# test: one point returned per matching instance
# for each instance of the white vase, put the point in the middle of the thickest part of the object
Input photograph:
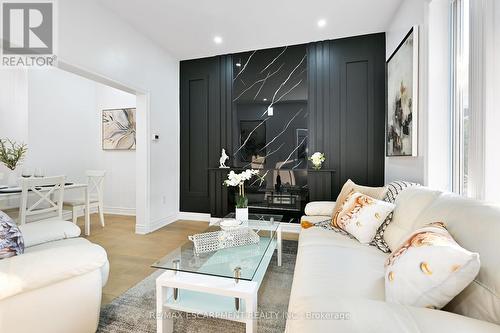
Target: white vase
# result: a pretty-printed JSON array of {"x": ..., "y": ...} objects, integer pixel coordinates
[
  {"x": 12, "y": 178},
  {"x": 242, "y": 214}
]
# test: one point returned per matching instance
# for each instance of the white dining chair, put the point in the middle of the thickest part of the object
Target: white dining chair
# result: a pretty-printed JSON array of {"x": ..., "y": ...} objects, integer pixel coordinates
[
  {"x": 95, "y": 181},
  {"x": 48, "y": 195}
]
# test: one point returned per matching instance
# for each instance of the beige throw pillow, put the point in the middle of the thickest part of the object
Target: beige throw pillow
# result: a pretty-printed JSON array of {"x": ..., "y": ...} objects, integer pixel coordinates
[
  {"x": 361, "y": 216},
  {"x": 429, "y": 269},
  {"x": 378, "y": 193}
]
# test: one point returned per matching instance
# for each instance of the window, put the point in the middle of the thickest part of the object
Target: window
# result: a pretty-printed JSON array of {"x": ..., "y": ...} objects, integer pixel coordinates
[{"x": 461, "y": 112}]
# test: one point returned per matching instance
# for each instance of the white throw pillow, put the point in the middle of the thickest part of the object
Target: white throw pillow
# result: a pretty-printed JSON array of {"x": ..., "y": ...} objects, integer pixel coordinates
[
  {"x": 361, "y": 216},
  {"x": 429, "y": 269}
]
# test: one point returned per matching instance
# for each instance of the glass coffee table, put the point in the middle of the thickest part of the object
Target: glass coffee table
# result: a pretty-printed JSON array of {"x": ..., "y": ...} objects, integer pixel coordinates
[{"x": 221, "y": 284}]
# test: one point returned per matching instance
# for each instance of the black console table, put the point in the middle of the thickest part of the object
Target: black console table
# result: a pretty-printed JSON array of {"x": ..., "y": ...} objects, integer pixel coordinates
[
  {"x": 289, "y": 200},
  {"x": 321, "y": 185}
]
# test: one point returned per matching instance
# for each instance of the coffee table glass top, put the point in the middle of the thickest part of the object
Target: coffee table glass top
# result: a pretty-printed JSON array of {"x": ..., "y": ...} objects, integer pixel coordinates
[{"x": 224, "y": 262}]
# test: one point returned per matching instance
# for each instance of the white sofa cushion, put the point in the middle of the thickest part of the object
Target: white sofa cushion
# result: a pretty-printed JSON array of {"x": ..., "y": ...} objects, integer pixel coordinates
[
  {"x": 324, "y": 267},
  {"x": 70, "y": 242},
  {"x": 320, "y": 208},
  {"x": 38, "y": 269},
  {"x": 409, "y": 205},
  {"x": 475, "y": 225},
  {"x": 348, "y": 288},
  {"x": 40, "y": 232},
  {"x": 429, "y": 268},
  {"x": 364, "y": 315}
]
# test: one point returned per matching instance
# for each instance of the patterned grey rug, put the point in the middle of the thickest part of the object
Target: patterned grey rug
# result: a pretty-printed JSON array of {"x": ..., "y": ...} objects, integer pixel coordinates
[{"x": 134, "y": 310}]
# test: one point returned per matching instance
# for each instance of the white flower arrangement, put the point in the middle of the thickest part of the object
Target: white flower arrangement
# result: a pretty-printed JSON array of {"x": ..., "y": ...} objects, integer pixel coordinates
[
  {"x": 317, "y": 159},
  {"x": 239, "y": 179}
]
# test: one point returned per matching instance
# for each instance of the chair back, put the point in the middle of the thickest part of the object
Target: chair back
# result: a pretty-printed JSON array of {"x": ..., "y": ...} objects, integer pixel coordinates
[
  {"x": 95, "y": 179},
  {"x": 48, "y": 193}
]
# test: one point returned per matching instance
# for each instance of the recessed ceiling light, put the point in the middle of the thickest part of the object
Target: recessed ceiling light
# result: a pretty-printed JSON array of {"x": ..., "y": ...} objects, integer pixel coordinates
[
  {"x": 265, "y": 99},
  {"x": 218, "y": 39},
  {"x": 321, "y": 23},
  {"x": 238, "y": 64}
]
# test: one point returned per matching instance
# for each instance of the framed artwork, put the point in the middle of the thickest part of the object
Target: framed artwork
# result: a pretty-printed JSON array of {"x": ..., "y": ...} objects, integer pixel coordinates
[
  {"x": 402, "y": 98},
  {"x": 118, "y": 129}
]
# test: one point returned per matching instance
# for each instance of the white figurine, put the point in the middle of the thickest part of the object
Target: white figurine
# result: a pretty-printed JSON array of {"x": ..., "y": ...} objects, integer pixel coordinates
[{"x": 223, "y": 159}]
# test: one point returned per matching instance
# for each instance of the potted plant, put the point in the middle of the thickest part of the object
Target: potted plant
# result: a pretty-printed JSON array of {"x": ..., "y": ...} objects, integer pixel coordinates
[
  {"x": 238, "y": 180},
  {"x": 317, "y": 160},
  {"x": 11, "y": 154}
]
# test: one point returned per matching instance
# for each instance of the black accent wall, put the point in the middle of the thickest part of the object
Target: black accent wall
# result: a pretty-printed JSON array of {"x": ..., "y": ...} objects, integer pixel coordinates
[
  {"x": 346, "y": 111},
  {"x": 205, "y": 107},
  {"x": 346, "y": 105}
]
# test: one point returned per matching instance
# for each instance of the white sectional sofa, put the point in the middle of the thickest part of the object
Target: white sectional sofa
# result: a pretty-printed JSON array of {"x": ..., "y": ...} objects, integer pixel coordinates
[
  {"x": 338, "y": 284},
  {"x": 56, "y": 285}
]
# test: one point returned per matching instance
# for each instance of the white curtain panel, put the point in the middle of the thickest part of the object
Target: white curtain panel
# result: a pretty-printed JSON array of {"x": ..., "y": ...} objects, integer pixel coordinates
[
  {"x": 491, "y": 47},
  {"x": 484, "y": 103},
  {"x": 477, "y": 97}
]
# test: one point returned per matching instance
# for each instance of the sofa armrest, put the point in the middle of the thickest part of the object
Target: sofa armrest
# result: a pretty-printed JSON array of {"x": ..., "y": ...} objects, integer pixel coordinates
[
  {"x": 320, "y": 208},
  {"x": 40, "y": 232},
  {"x": 30, "y": 271}
]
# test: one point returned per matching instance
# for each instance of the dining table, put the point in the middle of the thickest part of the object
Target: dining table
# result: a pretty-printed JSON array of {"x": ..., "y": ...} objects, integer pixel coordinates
[{"x": 9, "y": 193}]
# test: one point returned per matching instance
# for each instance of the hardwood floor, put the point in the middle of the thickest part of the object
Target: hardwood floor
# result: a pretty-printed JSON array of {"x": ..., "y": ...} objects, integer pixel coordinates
[{"x": 131, "y": 255}]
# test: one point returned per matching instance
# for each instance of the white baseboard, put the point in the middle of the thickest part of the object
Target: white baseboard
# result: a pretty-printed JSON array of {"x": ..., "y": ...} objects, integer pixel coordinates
[
  {"x": 111, "y": 211},
  {"x": 141, "y": 229},
  {"x": 155, "y": 225},
  {"x": 193, "y": 216},
  {"x": 119, "y": 211},
  {"x": 160, "y": 223}
]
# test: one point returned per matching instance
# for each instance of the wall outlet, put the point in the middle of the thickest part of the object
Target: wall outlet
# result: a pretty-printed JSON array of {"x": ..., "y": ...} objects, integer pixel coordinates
[{"x": 164, "y": 199}]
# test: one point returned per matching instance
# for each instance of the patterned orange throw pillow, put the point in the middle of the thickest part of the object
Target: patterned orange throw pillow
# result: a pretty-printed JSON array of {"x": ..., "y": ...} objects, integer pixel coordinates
[
  {"x": 362, "y": 215},
  {"x": 349, "y": 187}
]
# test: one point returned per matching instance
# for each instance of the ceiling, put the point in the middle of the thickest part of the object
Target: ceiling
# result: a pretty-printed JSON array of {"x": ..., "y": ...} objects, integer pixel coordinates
[{"x": 186, "y": 28}]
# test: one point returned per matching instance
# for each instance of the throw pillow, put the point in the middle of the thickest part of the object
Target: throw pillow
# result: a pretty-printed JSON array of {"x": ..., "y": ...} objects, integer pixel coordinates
[
  {"x": 11, "y": 240},
  {"x": 429, "y": 269},
  {"x": 362, "y": 215},
  {"x": 393, "y": 190},
  {"x": 350, "y": 187}
]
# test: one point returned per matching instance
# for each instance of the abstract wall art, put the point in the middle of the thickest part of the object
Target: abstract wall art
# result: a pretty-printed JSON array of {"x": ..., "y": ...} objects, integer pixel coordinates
[
  {"x": 402, "y": 98},
  {"x": 118, "y": 129}
]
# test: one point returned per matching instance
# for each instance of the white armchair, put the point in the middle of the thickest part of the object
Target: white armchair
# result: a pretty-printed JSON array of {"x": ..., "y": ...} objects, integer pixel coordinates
[{"x": 56, "y": 285}]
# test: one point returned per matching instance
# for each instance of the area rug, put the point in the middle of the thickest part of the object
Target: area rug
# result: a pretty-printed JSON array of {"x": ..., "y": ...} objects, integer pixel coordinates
[{"x": 134, "y": 310}]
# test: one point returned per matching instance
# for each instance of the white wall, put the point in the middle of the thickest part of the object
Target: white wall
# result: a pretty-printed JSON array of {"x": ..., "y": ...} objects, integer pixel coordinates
[
  {"x": 13, "y": 108},
  {"x": 64, "y": 134},
  {"x": 98, "y": 41},
  {"x": 432, "y": 165},
  {"x": 119, "y": 165},
  {"x": 410, "y": 13},
  {"x": 439, "y": 142}
]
